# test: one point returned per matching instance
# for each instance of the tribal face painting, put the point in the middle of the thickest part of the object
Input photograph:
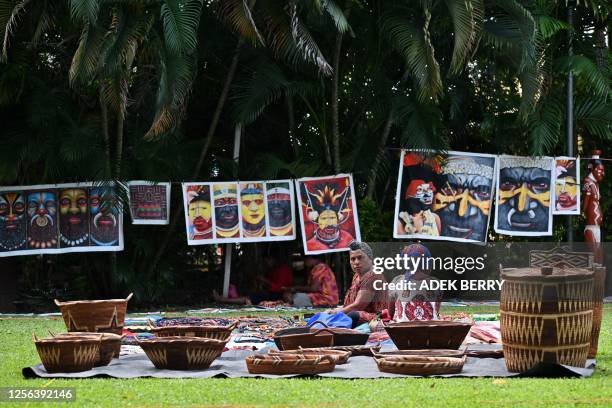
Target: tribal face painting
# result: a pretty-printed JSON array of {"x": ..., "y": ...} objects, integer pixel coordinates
[
  {"x": 74, "y": 218},
  {"x": 149, "y": 203},
  {"x": 445, "y": 196},
  {"x": 329, "y": 216},
  {"x": 12, "y": 221},
  {"x": 280, "y": 202},
  {"x": 253, "y": 210},
  {"x": 104, "y": 216},
  {"x": 226, "y": 210},
  {"x": 42, "y": 219},
  {"x": 524, "y": 194},
  {"x": 199, "y": 210},
  {"x": 567, "y": 197}
]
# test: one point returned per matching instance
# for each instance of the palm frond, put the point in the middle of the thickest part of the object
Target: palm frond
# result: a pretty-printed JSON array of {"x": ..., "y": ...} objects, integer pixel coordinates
[
  {"x": 85, "y": 10},
  {"x": 181, "y": 19},
  {"x": 304, "y": 42},
  {"x": 549, "y": 26},
  {"x": 544, "y": 127},
  {"x": 86, "y": 59},
  {"x": 595, "y": 115},
  {"x": 337, "y": 15},
  {"x": 586, "y": 71},
  {"x": 10, "y": 12},
  {"x": 467, "y": 17},
  {"x": 238, "y": 15}
]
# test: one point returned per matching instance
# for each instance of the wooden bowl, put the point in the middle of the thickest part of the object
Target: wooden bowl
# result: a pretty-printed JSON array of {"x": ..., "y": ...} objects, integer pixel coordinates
[
  {"x": 420, "y": 365},
  {"x": 434, "y": 334},
  {"x": 182, "y": 353},
  {"x": 97, "y": 316},
  {"x": 319, "y": 338},
  {"x": 422, "y": 353},
  {"x": 354, "y": 350},
  {"x": 110, "y": 344},
  {"x": 68, "y": 355},
  {"x": 289, "y": 364},
  {"x": 209, "y": 332},
  {"x": 339, "y": 356}
]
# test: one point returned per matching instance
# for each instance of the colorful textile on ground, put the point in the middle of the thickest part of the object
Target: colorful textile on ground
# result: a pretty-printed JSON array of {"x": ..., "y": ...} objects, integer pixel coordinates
[
  {"x": 567, "y": 186},
  {"x": 250, "y": 211},
  {"x": 328, "y": 212},
  {"x": 523, "y": 206},
  {"x": 323, "y": 277},
  {"x": 444, "y": 197},
  {"x": 149, "y": 202},
  {"x": 378, "y": 298},
  {"x": 53, "y": 219}
]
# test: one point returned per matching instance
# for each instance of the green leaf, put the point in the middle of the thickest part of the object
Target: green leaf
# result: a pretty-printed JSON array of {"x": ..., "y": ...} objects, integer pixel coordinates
[
  {"x": 238, "y": 15},
  {"x": 467, "y": 17},
  {"x": 85, "y": 10},
  {"x": 181, "y": 19}
]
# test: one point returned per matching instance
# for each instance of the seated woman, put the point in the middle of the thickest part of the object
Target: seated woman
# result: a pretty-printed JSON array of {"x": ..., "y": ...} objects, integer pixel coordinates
[
  {"x": 279, "y": 277},
  {"x": 363, "y": 302},
  {"x": 321, "y": 290},
  {"x": 418, "y": 304}
]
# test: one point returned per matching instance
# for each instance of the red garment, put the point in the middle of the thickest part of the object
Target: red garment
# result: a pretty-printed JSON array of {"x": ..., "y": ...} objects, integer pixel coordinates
[
  {"x": 314, "y": 244},
  {"x": 378, "y": 298},
  {"x": 281, "y": 276},
  {"x": 327, "y": 294}
]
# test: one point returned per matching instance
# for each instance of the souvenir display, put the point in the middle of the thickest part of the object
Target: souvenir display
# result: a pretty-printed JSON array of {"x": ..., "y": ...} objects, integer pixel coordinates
[
  {"x": 567, "y": 188},
  {"x": 182, "y": 353},
  {"x": 149, "y": 202},
  {"x": 440, "y": 334},
  {"x": 97, "y": 316}
]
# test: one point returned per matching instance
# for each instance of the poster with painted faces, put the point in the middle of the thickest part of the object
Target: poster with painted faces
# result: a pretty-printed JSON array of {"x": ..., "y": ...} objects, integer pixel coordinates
[
  {"x": 54, "y": 219},
  {"x": 149, "y": 202},
  {"x": 567, "y": 188},
  {"x": 328, "y": 212},
  {"x": 524, "y": 205},
  {"x": 444, "y": 196},
  {"x": 246, "y": 211}
]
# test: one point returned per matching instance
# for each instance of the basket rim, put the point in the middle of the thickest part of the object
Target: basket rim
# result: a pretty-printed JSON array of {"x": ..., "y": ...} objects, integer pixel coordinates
[
  {"x": 183, "y": 339},
  {"x": 428, "y": 323}
]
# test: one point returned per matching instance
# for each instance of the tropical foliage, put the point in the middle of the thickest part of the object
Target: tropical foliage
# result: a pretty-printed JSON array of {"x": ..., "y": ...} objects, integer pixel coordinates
[{"x": 154, "y": 89}]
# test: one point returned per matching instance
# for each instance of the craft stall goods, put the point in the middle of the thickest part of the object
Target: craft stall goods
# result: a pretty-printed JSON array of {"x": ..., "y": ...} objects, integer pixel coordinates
[
  {"x": 422, "y": 353},
  {"x": 318, "y": 338},
  {"x": 182, "y": 353},
  {"x": 339, "y": 356},
  {"x": 290, "y": 364},
  {"x": 110, "y": 344},
  {"x": 97, "y": 316},
  {"x": 355, "y": 350},
  {"x": 341, "y": 336},
  {"x": 68, "y": 355},
  {"x": 546, "y": 316},
  {"x": 420, "y": 365},
  {"x": 598, "y": 295},
  {"x": 439, "y": 334},
  {"x": 209, "y": 332}
]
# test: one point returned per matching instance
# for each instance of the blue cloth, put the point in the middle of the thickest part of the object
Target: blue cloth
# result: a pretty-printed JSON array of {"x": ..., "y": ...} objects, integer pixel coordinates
[{"x": 331, "y": 320}]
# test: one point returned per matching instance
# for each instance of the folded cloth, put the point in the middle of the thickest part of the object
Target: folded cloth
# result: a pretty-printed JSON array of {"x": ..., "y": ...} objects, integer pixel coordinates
[
  {"x": 331, "y": 320},
  {"x": 486, "y": 331}
]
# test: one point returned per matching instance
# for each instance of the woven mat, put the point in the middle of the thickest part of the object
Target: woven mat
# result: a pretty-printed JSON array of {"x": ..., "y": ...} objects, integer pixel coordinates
[{"x": 232, "y": 365}]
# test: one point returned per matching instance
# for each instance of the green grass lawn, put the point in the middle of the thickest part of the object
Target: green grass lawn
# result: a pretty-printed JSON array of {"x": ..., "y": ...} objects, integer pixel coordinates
[{"x": 17, "y": 351}]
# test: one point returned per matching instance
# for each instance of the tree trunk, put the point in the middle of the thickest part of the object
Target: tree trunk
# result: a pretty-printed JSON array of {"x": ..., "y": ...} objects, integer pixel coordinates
[
  {"x": 601, "y": 48},
  {"x": 177, "y": 215}
]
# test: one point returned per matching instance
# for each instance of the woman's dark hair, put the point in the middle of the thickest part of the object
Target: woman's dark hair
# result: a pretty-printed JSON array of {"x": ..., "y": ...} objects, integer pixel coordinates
[{"x": 414, "y": 206}]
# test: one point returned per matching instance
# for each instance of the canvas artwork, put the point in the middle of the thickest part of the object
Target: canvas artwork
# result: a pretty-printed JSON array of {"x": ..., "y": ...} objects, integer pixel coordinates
[
  {"x": 444, "y": 196},
  {"x": 149, "y": 202},
  {"x": 523, "y": 205},
  {"x": 227, "y": 211},
  {"x": 55, "y": 219},
  {"x": 567, "y": 187},
  {"x": 253, "y": 210},
  {"x": 281, "y": 211},
  {"x": 328, "y": 212}
]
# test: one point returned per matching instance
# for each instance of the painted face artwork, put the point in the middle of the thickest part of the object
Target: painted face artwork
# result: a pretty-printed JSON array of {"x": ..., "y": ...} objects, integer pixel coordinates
[
  {"x": 253, "y": 210},
  {"x": 226, "y": 210},
  {"x": 328, "y": 213},
  {"x": 446, "y": 196},
  {"x": 523, "y": 205},
  {"x": 465, "y": 197},
  {"x": 278, "y": 196},
  {"x": 149, "y": 203},
  {"x": 74, "y": 218},
  {"x": 42, "y": 219},
  {"x": 200, "y": 213},
  {"x": 104, "y": 216},
  {"x": 566, "y": 186},
  {"x": 12, "y": 221}
]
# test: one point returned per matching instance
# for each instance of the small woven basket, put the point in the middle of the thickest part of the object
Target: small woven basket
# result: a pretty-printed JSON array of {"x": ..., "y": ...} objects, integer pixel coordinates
[
  {"x": 182, "y": 353},
  {"x": 68, "y": 355},
  {"x": 419, "y": 365},
  {"x": 289, "y": 364},
  {"x": 96, "y": 316},
  {"x": 210, "y": 332}
]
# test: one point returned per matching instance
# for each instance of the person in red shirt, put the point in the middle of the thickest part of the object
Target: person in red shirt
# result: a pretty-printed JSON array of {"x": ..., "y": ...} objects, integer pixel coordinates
[
  {"x": 272, "y": 286},
  {"x": 321, "y": 290}
]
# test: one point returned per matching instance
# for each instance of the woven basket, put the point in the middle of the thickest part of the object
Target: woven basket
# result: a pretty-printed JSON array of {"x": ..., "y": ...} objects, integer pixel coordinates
[
  {"x": 438, "y": 334},
  {"x": 419, "y": 365},
  {"x": 97, "y": 316},
  {"x": 182, "y": 353},
  {"x": 339, "y": 356},
  {"x": 598, "y": 294},
  {"x": 110, "y": 344},
  {"x": 319, "y": 338},
  {"x": 289, "y": 364},
  {"x": 422, "y": 353},
  {"x": 68, "y": 355},
  {"x": 354, "y": 350},
  {"x": 209, "y": 332}
]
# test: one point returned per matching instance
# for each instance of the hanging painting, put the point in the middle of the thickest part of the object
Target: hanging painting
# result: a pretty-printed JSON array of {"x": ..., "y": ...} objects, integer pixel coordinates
[
  {"x": 567, "y": 188},
  {"x": 54, "y": 219},
  {"x": 523, "y": 205},
  {"x": 149, "y": 202},
  {"x": 328, "y": 212},
  {"x": 281, "y": 211},
  {"x": 445, "y": 196}
]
